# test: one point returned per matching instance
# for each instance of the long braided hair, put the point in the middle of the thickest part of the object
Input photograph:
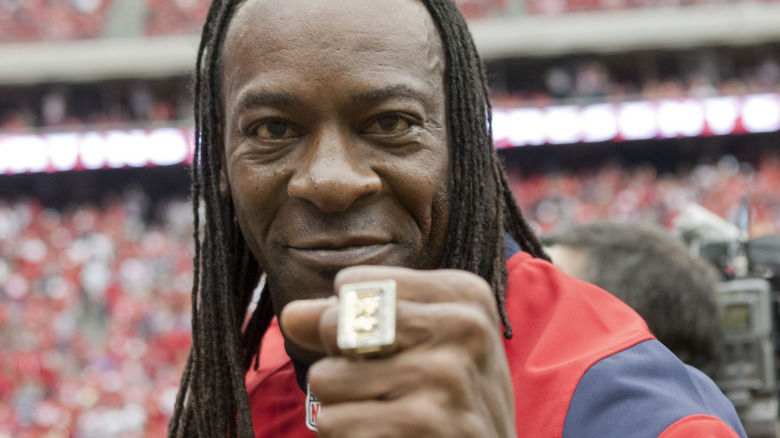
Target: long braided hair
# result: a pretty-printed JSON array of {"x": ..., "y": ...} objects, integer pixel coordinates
[{"x": 212, "y": 399}]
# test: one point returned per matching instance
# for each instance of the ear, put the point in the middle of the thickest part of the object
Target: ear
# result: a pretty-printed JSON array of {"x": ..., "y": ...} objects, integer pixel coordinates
[{"x": 224, "y": 180}]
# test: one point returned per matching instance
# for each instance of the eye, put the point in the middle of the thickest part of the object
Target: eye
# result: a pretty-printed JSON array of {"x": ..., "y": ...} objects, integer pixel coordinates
[
  {"x": 276, "y": 130},
  {"x": 392, "y": 124}
]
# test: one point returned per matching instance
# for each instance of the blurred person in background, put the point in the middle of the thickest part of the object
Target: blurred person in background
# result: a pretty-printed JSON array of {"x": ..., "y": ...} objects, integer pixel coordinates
[
  {"x": 652, "y": 271},
  {"x": 345, "y": 142}
]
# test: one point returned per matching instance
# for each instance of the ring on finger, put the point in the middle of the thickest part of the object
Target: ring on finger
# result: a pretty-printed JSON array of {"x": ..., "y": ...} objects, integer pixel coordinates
[{"x": 366, "y": 325}]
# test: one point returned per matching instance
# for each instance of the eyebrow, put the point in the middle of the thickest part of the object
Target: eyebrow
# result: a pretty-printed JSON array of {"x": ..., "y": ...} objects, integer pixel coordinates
[
  {"x": 263, "y": 98},
  {"x": 258, "y": 99},
  {"x": 392, "y": 91}
]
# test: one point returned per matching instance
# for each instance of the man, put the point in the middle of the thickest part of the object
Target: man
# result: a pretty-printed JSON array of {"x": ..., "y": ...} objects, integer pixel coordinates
[
  {"x": 345, "y": 142},
  {"x": 653, "y": 272}
]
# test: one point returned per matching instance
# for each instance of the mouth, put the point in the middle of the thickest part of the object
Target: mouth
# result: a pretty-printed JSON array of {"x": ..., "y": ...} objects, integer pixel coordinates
[{"x": 360, "y": 251}]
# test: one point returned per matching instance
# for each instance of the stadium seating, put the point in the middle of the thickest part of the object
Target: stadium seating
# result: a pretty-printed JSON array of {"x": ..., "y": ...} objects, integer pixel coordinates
[
  {"x": 95, "y": 296},
  {"x": 94, "y": 318}
]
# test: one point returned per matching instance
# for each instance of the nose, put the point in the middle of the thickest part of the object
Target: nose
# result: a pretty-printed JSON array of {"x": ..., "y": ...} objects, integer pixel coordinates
[{"x": 333, "y": 173}]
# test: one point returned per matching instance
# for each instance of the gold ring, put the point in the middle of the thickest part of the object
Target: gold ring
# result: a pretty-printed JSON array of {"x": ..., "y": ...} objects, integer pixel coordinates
[{"x": 366, "y": 326}]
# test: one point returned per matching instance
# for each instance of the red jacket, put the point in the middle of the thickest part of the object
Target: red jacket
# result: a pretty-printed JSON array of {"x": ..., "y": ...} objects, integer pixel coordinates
[{"x": 583, "y": 364}]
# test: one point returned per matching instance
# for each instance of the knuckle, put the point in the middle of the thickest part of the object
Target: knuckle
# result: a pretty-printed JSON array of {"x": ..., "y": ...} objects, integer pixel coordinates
[
  {"x": 472, "y": 424},
  {"x": 320, "y": 378},
  {"x": 424, "y": 417},
  {"x": 474, "y": 287},
  {"x": 432, "y": 417},
  {"x": 451, "y": 368},
  {"x": 474, "y": 328},
  {"x": 326, "y": 426}
]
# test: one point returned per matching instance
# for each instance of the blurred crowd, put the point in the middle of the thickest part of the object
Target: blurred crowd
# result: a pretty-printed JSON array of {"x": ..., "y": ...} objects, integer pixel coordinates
[
  {"x": 642, "y": 194},
  {"x": 95, "y": 299},
  {"x": 94, "y": 317},
  {"x": 552, "y": 7},
  {"x": 109, "y": 104},
  {"x": 590, "y": 80},
  {"x": 23, "y": 21},
  {"x": 174, "y": 17},
  {"x": 568, "y": 80}
]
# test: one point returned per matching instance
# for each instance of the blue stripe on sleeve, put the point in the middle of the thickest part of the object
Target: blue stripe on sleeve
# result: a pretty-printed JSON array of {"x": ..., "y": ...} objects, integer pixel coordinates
[
  {"x": 639, "y": 392},
  {"x": 512, "y": 247}
]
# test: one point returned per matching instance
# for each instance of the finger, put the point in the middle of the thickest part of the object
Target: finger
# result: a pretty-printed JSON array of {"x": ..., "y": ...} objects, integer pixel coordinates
[
  {"x": 430, "y": 286},
  {"x": 367, "y": 419},
  {"x": 412, "y": 416},
  {"x": 339, "y": 379},
  {"x": 460, "y": 365},
  {"x": 409, "y": 331},
  {"x": 300, "y": 321},
  {"x": 421, "y": 328}
]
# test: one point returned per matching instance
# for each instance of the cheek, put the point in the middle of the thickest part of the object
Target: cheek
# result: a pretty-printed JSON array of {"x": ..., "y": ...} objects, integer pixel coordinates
[
  {"x": 440, "y": 212},
  {"x": 255, "y": 201},
  {"x": 428, "y": 202},
  {"x": 426, "y": 191}
]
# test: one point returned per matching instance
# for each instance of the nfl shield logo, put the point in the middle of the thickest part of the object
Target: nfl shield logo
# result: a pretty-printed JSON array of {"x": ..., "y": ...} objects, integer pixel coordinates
[{"x": 313, "y": 407}]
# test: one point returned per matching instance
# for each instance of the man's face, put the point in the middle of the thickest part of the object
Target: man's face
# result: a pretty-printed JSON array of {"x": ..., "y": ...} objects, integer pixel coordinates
[{"x": 335, "y": 138}]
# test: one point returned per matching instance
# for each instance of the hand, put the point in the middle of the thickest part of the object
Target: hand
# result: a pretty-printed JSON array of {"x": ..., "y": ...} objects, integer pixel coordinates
[{"x": 447, "y": 378}]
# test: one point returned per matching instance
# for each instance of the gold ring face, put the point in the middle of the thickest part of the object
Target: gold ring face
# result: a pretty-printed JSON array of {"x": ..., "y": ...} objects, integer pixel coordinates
[{"x": 366, "y": 324}]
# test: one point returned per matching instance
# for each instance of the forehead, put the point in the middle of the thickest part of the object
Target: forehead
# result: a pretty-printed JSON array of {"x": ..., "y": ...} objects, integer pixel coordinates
[
  {"x": 290, "y": 35},
  {"x": 348, "y": 15}
]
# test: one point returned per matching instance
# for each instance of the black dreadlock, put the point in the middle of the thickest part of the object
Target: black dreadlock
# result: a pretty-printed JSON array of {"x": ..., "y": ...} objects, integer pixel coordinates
[{"x": 212, "y": 399}]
